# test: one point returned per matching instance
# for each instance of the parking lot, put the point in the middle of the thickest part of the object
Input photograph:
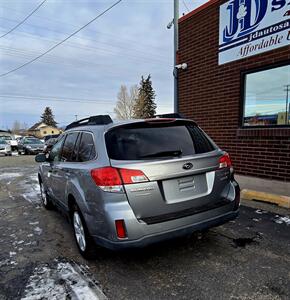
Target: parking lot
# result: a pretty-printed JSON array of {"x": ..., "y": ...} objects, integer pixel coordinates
[{"x": 248, "y": 258}]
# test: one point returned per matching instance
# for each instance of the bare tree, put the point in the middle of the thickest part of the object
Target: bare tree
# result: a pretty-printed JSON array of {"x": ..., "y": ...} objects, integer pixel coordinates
[
  {"x": 16, "y": 126},
  {"x": 126, "y": 101}
]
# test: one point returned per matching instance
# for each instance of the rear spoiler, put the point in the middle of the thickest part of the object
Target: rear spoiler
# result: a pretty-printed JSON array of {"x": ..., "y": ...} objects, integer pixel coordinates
[{"x": 172, "y": 115}]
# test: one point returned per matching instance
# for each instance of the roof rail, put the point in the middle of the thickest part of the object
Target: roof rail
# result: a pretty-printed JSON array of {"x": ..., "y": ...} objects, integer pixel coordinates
[
  {"x": 172, "y": 115},
  {"x": 93, "y": 120}
]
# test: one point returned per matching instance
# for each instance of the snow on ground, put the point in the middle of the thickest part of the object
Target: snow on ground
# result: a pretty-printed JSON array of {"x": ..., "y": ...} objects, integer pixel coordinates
[
  {"x": 9, "y": 175},
  {"x": 31, "y": 190},
  {"x": 280, "y": 220},
  {"x": 64, "y": 281},
  {"x": 260, "y": 212}
]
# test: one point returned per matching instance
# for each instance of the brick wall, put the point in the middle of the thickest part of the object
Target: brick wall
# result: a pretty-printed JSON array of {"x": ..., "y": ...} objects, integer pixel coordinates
[{"x": 210, "y": 94}]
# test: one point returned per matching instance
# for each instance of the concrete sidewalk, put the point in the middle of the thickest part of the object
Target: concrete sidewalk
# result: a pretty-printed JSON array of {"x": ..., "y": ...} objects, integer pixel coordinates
[{"x": 272, "y": 191}]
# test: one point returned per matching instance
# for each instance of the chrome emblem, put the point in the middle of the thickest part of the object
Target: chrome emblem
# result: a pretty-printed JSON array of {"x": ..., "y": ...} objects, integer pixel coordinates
[{"x": 187, "y": 166}]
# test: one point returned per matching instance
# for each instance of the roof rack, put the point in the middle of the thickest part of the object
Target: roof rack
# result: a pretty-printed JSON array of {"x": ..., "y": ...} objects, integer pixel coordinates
[
  {"x": 172, "y": 115},
  {"x": 93, "y": 120}
]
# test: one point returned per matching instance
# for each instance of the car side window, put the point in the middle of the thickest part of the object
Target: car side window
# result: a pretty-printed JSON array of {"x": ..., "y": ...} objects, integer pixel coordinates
[
  {"x": 87, "y": 150},
  {"x": 54, "y": 154},
  {"x": 74, "y": 156},
  {"x": 68, "y": 147}
]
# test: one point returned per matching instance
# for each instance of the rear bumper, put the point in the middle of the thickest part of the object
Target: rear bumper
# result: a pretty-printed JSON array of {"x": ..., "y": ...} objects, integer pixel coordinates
[
  {"x": 141, "y": 234},
  {"x": 167, "y": 235}
]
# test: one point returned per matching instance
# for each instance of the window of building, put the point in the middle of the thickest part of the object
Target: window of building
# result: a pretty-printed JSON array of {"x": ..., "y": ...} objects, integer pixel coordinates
[
  {"x": 52, "y": 132},
  {"x": 44, "y": 132},
  {"x": 267, "y": 97}
]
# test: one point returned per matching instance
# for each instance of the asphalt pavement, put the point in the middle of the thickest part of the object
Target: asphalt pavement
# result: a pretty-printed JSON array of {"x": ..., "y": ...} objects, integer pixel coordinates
[{"x": 248, "y": 258}]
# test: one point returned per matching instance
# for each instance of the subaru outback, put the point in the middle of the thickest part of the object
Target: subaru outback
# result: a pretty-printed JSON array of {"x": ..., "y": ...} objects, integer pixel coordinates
[{"x": 137, "y": 182}]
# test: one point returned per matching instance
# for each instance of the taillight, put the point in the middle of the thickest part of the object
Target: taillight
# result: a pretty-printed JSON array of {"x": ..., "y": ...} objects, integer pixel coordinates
[
  {"x": 120, "y": 229},
  {"x": 132, "y": 176},
  {"x": 225, "y": 161},
  {"x": 111, "y": 179}
]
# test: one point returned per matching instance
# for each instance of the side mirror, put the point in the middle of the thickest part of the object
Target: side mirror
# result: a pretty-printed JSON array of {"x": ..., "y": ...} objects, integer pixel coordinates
[{"x": 40, "y": 158}]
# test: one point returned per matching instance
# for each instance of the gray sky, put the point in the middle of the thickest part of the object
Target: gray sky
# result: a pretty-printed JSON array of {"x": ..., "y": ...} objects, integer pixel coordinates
[{"x": 83, "y": 76}]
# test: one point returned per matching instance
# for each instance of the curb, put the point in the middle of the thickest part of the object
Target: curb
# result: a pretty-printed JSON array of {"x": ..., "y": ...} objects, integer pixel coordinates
[{"x": 279, "y": 200}]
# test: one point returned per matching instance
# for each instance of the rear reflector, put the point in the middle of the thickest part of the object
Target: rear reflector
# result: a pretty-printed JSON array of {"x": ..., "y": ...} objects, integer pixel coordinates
[
  {"x": 120, "y": 229},
  {"x": 225, "y": 161},
  {"x": 112, "y": 179}
]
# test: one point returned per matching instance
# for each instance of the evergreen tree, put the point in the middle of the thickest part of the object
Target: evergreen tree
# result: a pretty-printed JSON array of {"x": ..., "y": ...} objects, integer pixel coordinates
[
  {"x": 48, "y": 118},
  {"x": 145, "y": 107}
]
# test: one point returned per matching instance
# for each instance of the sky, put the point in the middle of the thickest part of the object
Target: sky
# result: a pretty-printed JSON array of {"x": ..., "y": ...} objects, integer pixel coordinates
[{"x": 83, "y": 76}]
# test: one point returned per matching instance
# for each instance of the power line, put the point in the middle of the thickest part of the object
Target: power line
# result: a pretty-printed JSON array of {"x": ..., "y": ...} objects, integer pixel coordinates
[
  {"x": 185, "y": 5},
  {"x": 149, "y": 56},
  {"x": 61, "y": 99},
  {"x": 115, "y": 37},
  {"x": 16, "y": 26},
  {"x": 57, "y": 98},
  {"x": 64, "y": 40}
]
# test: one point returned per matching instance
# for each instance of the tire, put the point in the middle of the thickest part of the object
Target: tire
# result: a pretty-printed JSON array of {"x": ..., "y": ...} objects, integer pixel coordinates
[
  {"x": 84, "y": 240},
  {"x": 46, "y": 202}
]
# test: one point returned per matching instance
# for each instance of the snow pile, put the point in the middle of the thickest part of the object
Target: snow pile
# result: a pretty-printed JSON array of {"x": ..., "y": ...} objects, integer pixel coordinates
[
  {"x": 281, "y": 220},
  {"x": 65, "y": 281}
]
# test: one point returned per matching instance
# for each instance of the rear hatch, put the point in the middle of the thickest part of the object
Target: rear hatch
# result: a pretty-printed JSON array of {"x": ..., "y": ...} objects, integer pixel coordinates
[{"x": 180, "y": 164}]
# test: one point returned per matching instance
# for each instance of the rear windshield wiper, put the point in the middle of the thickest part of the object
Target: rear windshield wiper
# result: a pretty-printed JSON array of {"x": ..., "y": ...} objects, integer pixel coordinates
[{"x": 163, "y": 154}]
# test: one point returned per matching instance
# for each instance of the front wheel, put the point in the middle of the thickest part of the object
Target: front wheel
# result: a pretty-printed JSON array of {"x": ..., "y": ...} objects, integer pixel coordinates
[
  {"x": 46, "y": 202},
  {"x": 84, "y": 241}
]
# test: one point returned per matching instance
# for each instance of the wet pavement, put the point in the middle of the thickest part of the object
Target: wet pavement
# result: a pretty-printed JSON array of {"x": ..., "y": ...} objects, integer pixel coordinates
[{"x": 248, "y": 258}]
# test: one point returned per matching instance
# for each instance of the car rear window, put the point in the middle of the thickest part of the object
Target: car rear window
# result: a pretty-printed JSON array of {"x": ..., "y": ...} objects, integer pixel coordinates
[{"x": 152, "y": 141}]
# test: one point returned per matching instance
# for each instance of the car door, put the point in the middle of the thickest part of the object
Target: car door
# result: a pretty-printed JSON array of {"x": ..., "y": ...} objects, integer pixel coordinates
[
  {"x": 50, "y": 168},
  {"x": 63, "y": 169}
]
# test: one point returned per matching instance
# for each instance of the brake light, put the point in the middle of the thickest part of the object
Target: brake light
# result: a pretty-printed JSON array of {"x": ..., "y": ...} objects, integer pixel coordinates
[
  {"x": 225, "y": 161},
  {"x": 111, "y": 179},
  {"x": 120, "y": 229}
]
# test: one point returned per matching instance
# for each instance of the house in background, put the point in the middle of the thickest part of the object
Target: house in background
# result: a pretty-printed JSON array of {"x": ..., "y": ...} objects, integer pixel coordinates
[{"x": 40, "y": 130}]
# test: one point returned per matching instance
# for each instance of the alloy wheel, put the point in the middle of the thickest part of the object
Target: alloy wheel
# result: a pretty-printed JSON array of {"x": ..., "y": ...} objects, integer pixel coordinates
[{"x": 79, "y": 231}]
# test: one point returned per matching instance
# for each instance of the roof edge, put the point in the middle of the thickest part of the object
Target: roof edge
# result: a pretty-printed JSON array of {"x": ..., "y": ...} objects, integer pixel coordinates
[{"x": 197, "y": 10}]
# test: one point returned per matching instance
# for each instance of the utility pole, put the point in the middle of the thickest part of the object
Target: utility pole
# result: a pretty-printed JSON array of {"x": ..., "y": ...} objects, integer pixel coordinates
[
  {"x": 175, "y": 72},
  {"x": 287, "y": 89}
]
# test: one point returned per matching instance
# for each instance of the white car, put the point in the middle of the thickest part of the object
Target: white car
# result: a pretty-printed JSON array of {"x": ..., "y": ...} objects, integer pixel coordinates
[
  {"x": 12, "y": 142},
  {"x": 5, "y": 147}
]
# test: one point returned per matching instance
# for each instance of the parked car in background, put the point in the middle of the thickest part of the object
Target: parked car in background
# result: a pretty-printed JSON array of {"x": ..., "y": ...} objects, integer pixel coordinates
[
  {"x": 30, "y": 145},
  {"x": 11, "y": 141},
  {"x": 137, "y": 182},
  {"x": 49, "y": 144},
  {"x": 5, "y": 147},
  {"x": 52, "y": 136}
]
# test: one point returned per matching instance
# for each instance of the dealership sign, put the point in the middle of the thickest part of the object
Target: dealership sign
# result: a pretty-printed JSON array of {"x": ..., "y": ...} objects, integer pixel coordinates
[{"x": 249, "y": 27}]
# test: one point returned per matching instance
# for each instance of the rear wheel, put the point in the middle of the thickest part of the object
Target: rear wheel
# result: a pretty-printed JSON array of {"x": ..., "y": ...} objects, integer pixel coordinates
[
  {"x": 46, "y": 202},
  {"x": 83, "y": 238}
]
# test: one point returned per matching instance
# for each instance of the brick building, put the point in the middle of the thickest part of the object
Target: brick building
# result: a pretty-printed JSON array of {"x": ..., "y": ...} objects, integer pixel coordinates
[{"x": 239, "y": 101}]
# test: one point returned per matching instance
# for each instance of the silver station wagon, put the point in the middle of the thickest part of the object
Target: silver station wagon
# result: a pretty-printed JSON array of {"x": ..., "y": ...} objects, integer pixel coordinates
[{"x": 137, "y": 182}]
